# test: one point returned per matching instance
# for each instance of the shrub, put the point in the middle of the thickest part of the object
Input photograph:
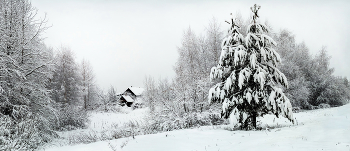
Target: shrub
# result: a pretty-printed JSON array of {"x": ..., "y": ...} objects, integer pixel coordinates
[
  {"x": 323, "y": 106},
  {"x": 296, "y": 109},
  {"x": 71, "y": 117},
  {"x": 26, "y": 133},
  {"x": 110, "y": 107},
  {"x": 178, "y": 115}
]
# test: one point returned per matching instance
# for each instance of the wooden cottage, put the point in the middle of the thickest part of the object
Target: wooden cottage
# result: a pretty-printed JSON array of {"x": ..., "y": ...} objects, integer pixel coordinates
[{"x": 131, "y": 95}]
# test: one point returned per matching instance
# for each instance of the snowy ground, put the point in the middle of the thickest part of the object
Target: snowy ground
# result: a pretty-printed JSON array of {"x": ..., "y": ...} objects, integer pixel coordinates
[
  {"x": 101, "y": 121},
  {"x": 327, "y": 129}
]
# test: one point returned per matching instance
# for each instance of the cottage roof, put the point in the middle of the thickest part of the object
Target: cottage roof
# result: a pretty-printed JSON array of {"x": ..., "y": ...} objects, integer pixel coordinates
[
  {"x": 136, "y": 90},
  {"x": 127, "y": 98}
]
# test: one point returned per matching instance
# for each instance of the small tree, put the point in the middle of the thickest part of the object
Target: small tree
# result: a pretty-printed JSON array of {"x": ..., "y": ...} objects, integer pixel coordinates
[
  {"x": 88, "y": 84},
  {"x": 250, "y": 81},
  {"x": 112, "y": 95}
]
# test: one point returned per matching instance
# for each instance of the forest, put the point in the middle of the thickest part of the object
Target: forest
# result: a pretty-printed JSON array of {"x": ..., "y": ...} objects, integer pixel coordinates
[{"x": 44, "y": 91}]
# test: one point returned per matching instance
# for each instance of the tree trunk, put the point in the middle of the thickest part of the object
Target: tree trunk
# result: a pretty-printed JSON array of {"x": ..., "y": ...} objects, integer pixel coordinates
[
  {"x": 184, "y": 107},
  {"x": 85, "y": 102},
  {"x": 253, "y": 120},
  {"x": 88, "y": 95}
]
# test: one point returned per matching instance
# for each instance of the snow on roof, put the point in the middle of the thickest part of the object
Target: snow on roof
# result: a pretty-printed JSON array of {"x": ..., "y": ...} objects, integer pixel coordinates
[
  {"x": 127, "y": 98},
  {"x": 136, "y": 90}
]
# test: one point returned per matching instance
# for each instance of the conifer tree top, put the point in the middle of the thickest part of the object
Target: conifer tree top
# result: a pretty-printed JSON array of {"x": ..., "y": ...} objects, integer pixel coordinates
[
  {"x": 232, "y": 23},
  {"x": 255, "y": 9}
]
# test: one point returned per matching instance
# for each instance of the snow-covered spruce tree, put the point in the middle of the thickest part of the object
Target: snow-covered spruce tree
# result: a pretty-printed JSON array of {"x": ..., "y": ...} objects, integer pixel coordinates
[{"x": 250, "y": 82}]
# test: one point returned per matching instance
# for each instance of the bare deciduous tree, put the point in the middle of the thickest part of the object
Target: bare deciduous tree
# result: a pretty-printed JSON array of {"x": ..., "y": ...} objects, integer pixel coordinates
[{"x": 88, "y": 82}]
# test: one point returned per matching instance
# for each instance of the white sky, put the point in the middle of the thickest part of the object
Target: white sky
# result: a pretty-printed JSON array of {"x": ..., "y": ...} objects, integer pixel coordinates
[{"x": 127, "y": 40}]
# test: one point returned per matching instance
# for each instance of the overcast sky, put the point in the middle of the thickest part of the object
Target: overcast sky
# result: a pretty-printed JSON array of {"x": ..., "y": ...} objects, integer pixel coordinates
[{"x": 127, "y": 40}]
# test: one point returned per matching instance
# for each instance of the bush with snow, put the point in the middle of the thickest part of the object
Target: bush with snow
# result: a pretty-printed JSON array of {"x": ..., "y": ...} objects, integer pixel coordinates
[
  {"x": 178, "y": 115},
  {"x": 71, "y": 117},
  {"x": 250, "y": 81},
  {"x": 168, "y": 113},
  {"x": 25, "y": 132}
]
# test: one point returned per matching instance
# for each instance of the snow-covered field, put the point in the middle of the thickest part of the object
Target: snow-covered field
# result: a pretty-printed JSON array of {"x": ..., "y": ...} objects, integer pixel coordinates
[
  {"x": 102, "y": 121},
  {"x": 326, "y": 129}
]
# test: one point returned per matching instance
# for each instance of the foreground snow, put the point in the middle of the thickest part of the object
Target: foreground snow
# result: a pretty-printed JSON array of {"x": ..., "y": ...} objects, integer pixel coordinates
[{"x": 327, "y": 129}]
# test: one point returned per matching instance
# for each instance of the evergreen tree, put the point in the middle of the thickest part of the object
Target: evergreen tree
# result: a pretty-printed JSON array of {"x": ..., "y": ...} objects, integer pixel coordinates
[
  {"x": 250, "y": 82},
  {"x": 66, "y": 81}
]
